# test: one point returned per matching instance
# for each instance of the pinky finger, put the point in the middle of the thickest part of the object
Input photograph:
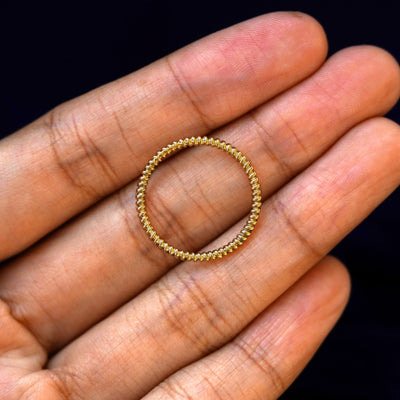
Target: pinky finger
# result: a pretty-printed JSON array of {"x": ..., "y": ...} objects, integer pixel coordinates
[{"x": 268, "y": 355}]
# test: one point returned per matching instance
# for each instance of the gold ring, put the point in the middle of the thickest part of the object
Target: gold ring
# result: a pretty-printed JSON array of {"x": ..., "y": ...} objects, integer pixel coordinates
[{"x": 164, "y": 153}]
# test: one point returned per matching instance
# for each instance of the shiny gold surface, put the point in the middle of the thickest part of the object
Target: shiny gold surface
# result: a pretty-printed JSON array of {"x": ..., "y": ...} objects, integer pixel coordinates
[{"x": 164, "y": 153}]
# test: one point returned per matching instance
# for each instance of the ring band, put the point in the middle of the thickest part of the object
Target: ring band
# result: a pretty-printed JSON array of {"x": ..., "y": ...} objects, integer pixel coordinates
[{"x": 164, "y": 153}]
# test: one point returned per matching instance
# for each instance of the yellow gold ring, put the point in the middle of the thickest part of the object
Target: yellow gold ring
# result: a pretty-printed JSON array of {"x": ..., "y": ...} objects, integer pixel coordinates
[{"x": 164, "y": 153}]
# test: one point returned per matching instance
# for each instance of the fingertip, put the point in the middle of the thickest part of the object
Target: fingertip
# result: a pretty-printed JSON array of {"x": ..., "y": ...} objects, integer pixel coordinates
[
  {"x": 381, "y": 137},
  {"x": 389, "y": 67},
  {"x": 250, "y": 62},
  {"x": 324, "y": 291},
  {"x": 315, "y": 29},
  {"x": 381, "y": 57},
  {"x": 338, "y": 278},
  {"x": 378, "y": 66},
  {"x": 308, "y": 29}
]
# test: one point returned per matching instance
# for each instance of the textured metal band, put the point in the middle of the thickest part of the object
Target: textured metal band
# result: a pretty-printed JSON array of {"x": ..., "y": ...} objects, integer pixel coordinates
[{"x": 164, "y": 153}]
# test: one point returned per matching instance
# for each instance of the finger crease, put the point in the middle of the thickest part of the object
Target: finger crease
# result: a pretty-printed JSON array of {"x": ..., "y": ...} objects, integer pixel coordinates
[
  {"x": 280, "y": 209},
  {"x": 198, "y": 203},
  {"x": 292, "y": 132},
  {"x": 185, "y": 89},
  {"x": 145, "y": 246},
  {"x": 264, "y": 135},
  {"x": 258, "y": 358},
  {"x": 55, "y": 136},
  {"x": 118, "y": 124},
  {"x": 215, "y": 391}
]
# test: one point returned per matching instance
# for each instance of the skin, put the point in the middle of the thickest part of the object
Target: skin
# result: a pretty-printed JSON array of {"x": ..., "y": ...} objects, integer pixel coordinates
[{"x": 91, "y": 308}]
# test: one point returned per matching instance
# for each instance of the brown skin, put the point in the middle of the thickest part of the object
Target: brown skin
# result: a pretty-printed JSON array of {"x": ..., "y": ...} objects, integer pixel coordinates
[{"x": 96, "y": 310}]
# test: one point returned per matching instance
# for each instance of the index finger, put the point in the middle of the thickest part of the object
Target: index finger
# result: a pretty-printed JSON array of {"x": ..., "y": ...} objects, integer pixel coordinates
[{"x": 88, "y": 147}]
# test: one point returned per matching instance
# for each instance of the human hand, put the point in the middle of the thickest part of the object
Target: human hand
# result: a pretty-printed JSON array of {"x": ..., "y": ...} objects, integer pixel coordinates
[{"x": 95, "y": 310}]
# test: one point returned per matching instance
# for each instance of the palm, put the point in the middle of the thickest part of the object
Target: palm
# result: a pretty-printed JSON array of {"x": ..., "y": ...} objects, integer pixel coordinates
[{"x": 95, "y": 310}]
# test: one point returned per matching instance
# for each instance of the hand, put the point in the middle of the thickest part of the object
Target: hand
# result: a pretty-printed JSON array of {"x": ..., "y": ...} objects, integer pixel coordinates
[{"x": 93, "y": 309}]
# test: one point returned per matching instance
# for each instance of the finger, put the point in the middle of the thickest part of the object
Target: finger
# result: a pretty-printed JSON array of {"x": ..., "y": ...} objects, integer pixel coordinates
[
  {"x": 262, "y": 360},
  {"x": 268, "y": 355},
  {"x": 116, "y": 259},
  {"x": 192, "y": 310},
  {"x": 88, "y": 147}
]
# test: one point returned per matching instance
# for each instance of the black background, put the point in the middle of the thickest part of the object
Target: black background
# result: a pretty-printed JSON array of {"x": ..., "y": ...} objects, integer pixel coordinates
[{"x": 53, "y": 52}]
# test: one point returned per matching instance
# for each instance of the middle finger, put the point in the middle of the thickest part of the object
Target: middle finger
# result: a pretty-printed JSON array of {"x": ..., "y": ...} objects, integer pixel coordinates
[{"x": 106, "y": 254}]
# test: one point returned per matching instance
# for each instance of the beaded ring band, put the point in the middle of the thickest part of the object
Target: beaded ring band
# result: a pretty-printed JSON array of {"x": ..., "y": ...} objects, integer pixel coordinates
[{"x": 164, "y": 153}]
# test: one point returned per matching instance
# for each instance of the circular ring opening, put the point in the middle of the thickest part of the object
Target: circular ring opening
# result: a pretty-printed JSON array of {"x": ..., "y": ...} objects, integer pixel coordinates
[{"x": 240, "y": 238}]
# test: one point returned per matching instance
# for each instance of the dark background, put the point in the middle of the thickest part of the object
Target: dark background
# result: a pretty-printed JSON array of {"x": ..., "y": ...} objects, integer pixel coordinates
[{"x": 51, "y": 53}]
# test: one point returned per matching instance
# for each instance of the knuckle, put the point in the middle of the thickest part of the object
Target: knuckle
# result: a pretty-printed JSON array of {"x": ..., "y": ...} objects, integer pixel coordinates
[
  {"x": 190, "y": 313},
  {"x": 281, "y": 211},
  {"x": 264, "y": 136},
  {"x": 118, "y": 124},
  {"x": 286, "y": 127},
  {"x": 187, "y": 91},
  {"x": 77, "y": 155}
]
